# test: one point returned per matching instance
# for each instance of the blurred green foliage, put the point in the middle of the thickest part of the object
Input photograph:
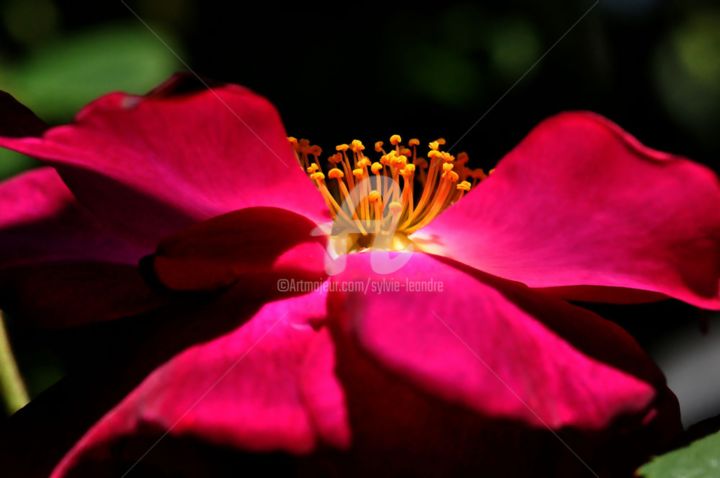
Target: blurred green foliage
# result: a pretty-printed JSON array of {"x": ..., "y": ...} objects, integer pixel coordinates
[
  {"x": 60, "y": 77},
  {"x": 30, "y": 22},
  {"x": 687, "y": 66},
  {"x": 469, "y": 48},
  {"x": 701, "y": 459},
  {"x": 12, "y": 163},
  {"x": 56, "y": 78}
]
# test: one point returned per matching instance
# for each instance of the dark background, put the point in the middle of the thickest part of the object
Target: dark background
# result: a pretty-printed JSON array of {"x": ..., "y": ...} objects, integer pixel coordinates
[{"x": 370, "y": 70}]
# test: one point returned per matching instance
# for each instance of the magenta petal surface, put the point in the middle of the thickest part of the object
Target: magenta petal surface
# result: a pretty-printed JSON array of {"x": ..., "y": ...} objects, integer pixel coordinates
[
  {"x": 152, "y": 165},
  {"x": 40, "y": 221},
  {"x": 581, "y": 206},
  {"x": 498, "y": 348},
  {"x": 253, "y": 246},
  {"x": 58, "y": 265},
  {"x": 267, "y": 386}
]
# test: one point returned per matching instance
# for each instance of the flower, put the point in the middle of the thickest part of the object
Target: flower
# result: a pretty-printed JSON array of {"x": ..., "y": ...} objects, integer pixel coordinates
[{"x": 493, "y": 371}]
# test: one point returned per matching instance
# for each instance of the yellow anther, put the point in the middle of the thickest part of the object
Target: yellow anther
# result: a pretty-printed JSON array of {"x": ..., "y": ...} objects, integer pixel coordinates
[
  {"x": 356, "y": 146},
  {"x": 463, "y": 186},
  {"x": 335, "y": 173},
  {"x": 398, "y": 161},
  {"x": 383, "y": 205},
  {"x": 491, "y": 171},
  {"x": 395, "y": 207},
  {"x": 363, "y": 163},
  {"x": 408, "y": 170}
]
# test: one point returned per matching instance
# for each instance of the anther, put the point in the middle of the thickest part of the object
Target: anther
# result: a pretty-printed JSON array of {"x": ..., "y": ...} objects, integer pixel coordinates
[
  {"x": 356, "y": 146},
  {"x": 463, "y": 186},
  {"x": 335, "y": 173}
]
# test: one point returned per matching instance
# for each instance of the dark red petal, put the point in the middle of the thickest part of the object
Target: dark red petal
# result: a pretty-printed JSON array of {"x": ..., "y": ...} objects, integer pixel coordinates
[
  {"x": 17, "y": 120},
  {"x": 495, "y": 347},
  {"x": 267, "y": 386},
  {"x": 582, "y": 206},
  {"x": 420, "y": 403},
  {"x": 253, "y": 246},
  {"x": 62, "y": 294},
  {"x": 398, "y": 426},
  {"x": 58, "y": 266},
  {"x": 40, "y": 221},
  {"x": 152, "y": 165}
]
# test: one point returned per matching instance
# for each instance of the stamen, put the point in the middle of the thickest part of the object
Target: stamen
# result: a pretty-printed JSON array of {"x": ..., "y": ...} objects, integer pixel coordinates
[{"x": 377, "y": 200}]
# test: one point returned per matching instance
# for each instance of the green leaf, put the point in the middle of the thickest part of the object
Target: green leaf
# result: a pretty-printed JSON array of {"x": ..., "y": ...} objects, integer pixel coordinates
[
  {"x": 701, "y": 459},
  {"x": 12, "y": 163},
  {"x": 60, "y": 78}
]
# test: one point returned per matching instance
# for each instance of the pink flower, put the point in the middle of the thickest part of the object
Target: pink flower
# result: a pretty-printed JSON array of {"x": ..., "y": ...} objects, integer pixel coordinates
[{"x": 493, "y": 372}]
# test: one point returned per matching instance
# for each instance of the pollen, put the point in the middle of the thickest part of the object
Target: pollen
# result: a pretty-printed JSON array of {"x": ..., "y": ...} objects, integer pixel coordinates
[{"x": 385, "y": 200}]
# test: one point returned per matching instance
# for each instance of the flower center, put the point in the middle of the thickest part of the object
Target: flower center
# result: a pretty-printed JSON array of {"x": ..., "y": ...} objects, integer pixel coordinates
[{"x": 378, "y": 204}]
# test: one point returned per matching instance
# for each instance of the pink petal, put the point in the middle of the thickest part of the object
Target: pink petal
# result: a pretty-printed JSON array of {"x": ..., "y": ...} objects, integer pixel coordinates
[
  {"x": 152, "y": 165},
  {"x": 253, "y": 246},
  {"x": 40, "y": 221},
  {"x": 496, "y": 347},
  {"x": 582, "y": 206},
  {"x": 58, "y": 266},
  {"x": 267, "y": 386}
]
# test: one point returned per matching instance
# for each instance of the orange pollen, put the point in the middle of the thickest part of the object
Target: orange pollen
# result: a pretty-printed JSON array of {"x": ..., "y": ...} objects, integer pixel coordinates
[{"x": 391, "y": 197}]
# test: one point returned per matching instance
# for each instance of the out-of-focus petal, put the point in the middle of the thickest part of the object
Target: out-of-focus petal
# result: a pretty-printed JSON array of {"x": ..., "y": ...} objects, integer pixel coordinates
[
  {"x": 152, "y": 165},
  {"x": 16, "y": 120},
  {"x": 254, "y": 246},
  {"x": 267, "y": 386},
  {"x": 58, "y": 265}
]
